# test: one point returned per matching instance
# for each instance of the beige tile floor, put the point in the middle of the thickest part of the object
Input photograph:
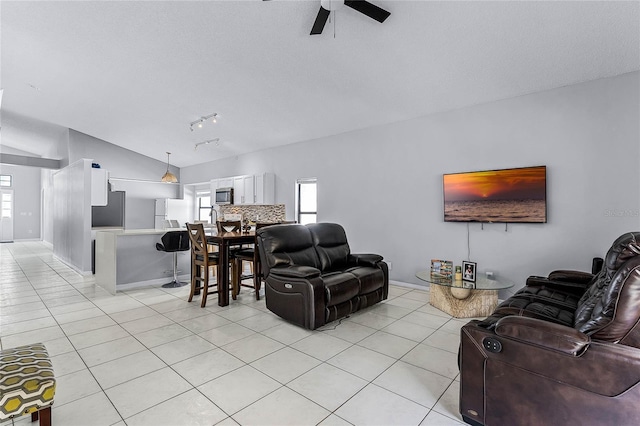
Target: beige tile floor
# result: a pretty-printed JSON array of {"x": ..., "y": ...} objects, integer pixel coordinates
[{"x": 147, "y": 357}]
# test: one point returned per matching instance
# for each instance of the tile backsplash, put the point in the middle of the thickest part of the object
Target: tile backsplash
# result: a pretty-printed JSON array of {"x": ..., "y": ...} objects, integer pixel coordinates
[{"x": 256, "y": 213}]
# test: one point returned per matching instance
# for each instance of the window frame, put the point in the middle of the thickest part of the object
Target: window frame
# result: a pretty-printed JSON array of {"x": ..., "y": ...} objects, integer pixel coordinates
[
  {"x": 199, "y": 196},
  {"x": 4, "y": 178},
  {"x": 299, "y": 212}
]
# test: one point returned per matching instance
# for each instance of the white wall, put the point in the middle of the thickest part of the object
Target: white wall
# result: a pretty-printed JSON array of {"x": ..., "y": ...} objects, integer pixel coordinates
[
  {"x": 384, "y": 184},
  {"x": 126, "y": 164},
  {"x": 26, "y": 207},
  {"x": 140, "y": 200},
  {"x": 33, "y": 137},
  {"x": 121, "y": 162},
  {"x": 72, "y": 215},
  {"x": 47, "y": 205}
]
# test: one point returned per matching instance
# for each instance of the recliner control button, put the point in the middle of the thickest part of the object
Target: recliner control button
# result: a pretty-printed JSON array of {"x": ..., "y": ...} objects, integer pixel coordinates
[{"x": 491, "y": 344}]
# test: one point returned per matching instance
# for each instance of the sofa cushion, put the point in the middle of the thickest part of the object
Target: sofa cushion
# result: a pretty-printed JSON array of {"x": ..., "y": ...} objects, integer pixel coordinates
[
  {"x": 617, "y": 311},
  {"x": 549, "y": 295},
  {"x": 370, "y": 279},
  {"x": 331, "y": 244},
  {"x": 288, "y": 245},
  {"x": 340, "y": 287},
  {"x": 535, "y": 309},
  {"x": 599, "y": 304}
]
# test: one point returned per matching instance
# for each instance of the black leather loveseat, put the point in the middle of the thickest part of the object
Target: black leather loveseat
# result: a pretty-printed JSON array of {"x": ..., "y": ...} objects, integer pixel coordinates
[
  {"x": 563, "y": 350},
  {"x": 311, "y": 277}
]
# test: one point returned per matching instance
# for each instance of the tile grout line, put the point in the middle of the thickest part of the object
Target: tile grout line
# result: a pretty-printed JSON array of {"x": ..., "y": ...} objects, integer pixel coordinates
[{"x": 254, "y": 332}]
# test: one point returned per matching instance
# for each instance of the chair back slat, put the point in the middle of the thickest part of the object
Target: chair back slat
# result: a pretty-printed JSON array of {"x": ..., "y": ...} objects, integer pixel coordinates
[
  {"x": 228, "y": 225},
  {"x": 197, "y": 238}
]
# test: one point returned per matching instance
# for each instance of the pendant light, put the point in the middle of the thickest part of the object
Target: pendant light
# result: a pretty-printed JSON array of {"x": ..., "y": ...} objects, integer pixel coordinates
[{"x": 168, "y": 176}]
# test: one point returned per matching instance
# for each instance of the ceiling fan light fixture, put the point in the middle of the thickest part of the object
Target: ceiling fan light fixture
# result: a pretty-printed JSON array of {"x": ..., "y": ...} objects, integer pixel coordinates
[
  {"x": 332, "y": 5},
  {"x": 168, "y": 176}
]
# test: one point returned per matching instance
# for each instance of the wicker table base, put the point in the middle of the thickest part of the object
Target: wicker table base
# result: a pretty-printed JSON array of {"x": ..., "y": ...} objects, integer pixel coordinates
[{"x": 480, "y": 303}]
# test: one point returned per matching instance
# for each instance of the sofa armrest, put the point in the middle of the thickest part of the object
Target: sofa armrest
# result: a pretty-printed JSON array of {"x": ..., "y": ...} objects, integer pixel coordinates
[
  {"x": 295, "y": 271},
  {"x": 365, "y": 259},
  {"x": 543, "y": 334}
]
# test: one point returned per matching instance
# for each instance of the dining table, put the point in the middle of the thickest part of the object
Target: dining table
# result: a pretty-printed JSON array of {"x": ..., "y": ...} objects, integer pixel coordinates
[{"x": 225, "y": 240}]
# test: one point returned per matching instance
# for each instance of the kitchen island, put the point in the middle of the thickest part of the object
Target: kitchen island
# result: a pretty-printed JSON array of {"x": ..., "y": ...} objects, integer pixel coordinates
[{"x": 128, "y": 258}]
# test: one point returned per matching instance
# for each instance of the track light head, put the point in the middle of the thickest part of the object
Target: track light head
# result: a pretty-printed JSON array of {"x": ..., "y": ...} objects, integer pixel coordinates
[
  {"x": 216, "y": 141},
  {"x": 200, "y": 122}
]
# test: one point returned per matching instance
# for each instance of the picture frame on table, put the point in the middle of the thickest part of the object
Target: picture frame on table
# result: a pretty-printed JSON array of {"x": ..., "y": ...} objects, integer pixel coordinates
[
  {"x": 469, "y": 270},
  {"x": 441, "y": 268}
]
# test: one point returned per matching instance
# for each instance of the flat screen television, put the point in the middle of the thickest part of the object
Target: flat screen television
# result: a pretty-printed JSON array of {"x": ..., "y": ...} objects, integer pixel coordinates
[{"x": 507, "y": 196}]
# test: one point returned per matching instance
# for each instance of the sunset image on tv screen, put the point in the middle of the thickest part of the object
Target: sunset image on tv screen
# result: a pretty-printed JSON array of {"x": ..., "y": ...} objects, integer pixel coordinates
[{"x": 509, "y": 195}]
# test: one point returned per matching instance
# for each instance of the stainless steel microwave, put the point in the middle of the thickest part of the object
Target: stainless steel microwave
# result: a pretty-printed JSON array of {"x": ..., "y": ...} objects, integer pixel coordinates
[{"x": 224, "y": 196}]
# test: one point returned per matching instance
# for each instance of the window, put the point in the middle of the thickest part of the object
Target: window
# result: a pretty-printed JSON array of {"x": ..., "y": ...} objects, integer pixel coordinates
[
  {"x": 7, "y": 204},
  {"x": 5, "y": 180},
  {"x": 204, "y": 205},
  {"x": 306, "y": 201}
]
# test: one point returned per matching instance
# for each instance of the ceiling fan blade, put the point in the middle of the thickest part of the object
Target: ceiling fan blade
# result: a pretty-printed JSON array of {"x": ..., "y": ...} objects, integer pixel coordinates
[
  {"x": 321, "y": 19},
  {"x": 369, "y": 9}
]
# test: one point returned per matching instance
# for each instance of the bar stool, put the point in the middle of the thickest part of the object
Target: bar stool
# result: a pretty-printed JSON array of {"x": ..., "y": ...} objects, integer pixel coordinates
[{"x": 173, "y": 242}]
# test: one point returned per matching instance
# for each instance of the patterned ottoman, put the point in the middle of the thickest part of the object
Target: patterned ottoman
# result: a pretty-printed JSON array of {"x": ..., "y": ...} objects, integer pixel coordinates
[{"x": 27, "y": 384}]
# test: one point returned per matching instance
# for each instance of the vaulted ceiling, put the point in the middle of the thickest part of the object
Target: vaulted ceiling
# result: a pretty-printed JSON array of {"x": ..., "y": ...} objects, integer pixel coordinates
[{"x": 137, "y": 73}]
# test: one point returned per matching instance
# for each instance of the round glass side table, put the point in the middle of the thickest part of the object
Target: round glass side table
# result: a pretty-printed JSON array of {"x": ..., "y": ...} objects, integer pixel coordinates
[{"x": 463, "y": 299}]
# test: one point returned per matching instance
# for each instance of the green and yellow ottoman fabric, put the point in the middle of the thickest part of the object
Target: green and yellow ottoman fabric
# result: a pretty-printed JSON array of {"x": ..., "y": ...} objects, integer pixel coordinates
[{"x": 27, "y": 384}]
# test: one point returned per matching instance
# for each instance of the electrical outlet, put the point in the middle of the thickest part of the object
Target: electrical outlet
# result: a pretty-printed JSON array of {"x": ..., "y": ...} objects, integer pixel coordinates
[{"x": 389, "y": 264}]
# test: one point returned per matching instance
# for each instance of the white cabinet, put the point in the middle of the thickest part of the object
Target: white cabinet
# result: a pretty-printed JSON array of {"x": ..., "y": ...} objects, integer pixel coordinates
[
  {"x": 243, "y": 190},
  {"x": 99, "y": 187},
  {"x": 248, "y": 189},
  {"x": 265, "y": 189},
  {"x": 172, "y": 209},
  {"x": 224, "y": 183}
]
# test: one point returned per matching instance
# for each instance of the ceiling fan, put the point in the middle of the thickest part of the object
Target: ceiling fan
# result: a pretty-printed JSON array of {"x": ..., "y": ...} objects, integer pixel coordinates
[{"x": 364, "y": 7}]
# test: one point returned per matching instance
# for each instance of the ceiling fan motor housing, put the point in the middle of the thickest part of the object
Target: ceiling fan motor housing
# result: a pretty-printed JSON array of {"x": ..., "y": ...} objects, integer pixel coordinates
[{"x": 331, "y": 5}]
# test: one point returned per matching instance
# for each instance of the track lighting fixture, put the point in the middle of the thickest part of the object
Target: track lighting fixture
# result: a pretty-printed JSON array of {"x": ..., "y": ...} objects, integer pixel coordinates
[
  {"x": 199, "y": 122},
  {"x": 216, "y": 141}
]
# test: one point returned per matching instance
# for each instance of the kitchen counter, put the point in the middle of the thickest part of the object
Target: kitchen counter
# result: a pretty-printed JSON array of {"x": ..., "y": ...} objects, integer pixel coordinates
[{"x": 127, "y": 258}]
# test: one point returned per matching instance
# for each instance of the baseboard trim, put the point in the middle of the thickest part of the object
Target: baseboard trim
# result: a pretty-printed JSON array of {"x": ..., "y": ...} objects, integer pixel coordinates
[
  {"x": 409, "y": 285},
  {"x": 152, "y": 283}
]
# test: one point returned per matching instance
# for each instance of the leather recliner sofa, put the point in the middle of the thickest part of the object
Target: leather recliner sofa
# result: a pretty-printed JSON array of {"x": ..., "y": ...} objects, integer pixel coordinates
[
  {"x": 563, "y": 350},
  {"x": 311, "y": 276}
]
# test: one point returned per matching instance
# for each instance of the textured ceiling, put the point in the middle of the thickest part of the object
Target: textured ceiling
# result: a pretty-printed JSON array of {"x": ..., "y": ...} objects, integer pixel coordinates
[{"x": 137, "y": 73}]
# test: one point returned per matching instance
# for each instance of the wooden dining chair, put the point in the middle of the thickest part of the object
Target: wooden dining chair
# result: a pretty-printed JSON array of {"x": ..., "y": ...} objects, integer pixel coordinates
[
  {"x": 201, "y": 260},
  {"x": 240, "y": 254}
]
